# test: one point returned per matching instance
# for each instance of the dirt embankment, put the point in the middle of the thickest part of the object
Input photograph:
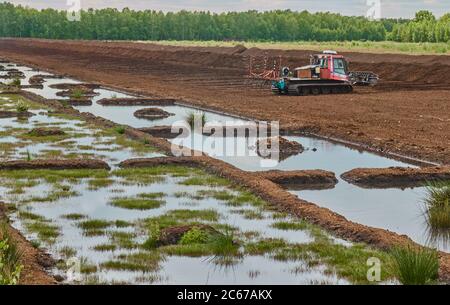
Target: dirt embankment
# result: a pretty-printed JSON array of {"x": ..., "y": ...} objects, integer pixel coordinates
[
  {"x": 136, "y": 102},
  {"x": 301, "y": 179},
  {"x": 408, "y": 113},
  {"x": 396, "y": 176},
  {"x": 34, "y": 261},
  {"x": 54, "y": 164},
  {"x": 15, "y": 114},
  {"x": 152, "y": 114}
]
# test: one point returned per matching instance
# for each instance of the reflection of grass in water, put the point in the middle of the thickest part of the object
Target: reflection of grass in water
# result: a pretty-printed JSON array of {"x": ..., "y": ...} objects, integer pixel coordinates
[
  {"x": 437, "y": 211},
  {"x": 148, "y": 261},
  {"x": 416, "y": 266},
  {"x": 194, "y": 117}
]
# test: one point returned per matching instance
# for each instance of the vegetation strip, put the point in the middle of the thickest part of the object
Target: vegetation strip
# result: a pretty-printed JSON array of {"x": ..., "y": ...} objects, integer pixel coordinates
[{"x": 54, "y": 164}]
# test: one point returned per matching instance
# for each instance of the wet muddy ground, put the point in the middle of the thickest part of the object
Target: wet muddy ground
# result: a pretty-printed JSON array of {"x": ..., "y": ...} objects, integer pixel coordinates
[
  {"x": 406, "y": 113},
  {"x": 122, "y": 225},
  {"x": 377, "y": 207}
]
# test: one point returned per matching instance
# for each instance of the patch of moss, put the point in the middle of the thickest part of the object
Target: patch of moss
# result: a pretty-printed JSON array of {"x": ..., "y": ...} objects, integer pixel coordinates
[
  {"x": 141, "y": 261},
  {"x": 74, "y": 216},
  {"x": 144, "y": 201}
]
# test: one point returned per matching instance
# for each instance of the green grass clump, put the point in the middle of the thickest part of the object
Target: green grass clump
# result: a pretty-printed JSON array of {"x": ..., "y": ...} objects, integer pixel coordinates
[
  {"x": 77, "y": 93},
  {"x": 416, "y": 266},
  {"x": 120, "y": 129},
  {"x": 74, "y": 216},
  {"x": 438, "y": 205},
  {"x": 182, "y": 217},
  {"x": 264, "y": 246},
  {"x": 145, "y": 201},
  {"x": 52, "y": 196},
  {"x": 224, "y": 244},
  {"x": 95, "y": 184},
  {"x": 141, "y": 261},
  {"x": 223, "y": 195},
  {"x": 205, "y": 180},
  {"x": 45, "y": 231},
  {"x": 94, "y": 224},
  {"x": 67, "y": 252},
  {"x": 194, "y": 236},
  {"x": 198, "y": 242},
  {"x": 22, "y": 107},
  {"x": 10, "y": 258},
  {"x": 290, "y": 226},
  {"x": 16, "y": 82},
  {"x": 53, "y": 176},
  {"x": 105, "y": 247},
  {"x": 123, "y": 240}
]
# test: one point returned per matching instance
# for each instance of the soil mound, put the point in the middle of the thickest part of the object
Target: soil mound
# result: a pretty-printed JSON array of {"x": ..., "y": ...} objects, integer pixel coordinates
[
  {"x": 152, "y": 114},
  {"x": 161, "y": 132},
  {"x": 40, "y": 78},
  {"x": 302, "y": 179},
  {"x": 45, "y": 132},
  {"x": 286, "y": 148},
  {"x": 396, "y": 176},
  {"x": 54, "y": 164},
  {"x": 15, "y": 114},
  {"x": 77, "y": 102},
  {"x": 68, "y": 86},
  {"x": 12, "y": 74}
]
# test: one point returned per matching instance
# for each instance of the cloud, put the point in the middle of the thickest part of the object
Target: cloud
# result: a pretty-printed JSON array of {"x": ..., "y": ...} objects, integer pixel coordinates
[{"x": 389, "y": 8}]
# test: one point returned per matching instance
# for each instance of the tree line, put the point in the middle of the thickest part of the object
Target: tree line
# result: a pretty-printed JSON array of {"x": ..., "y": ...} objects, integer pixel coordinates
[{"x": 126, "y": 24}]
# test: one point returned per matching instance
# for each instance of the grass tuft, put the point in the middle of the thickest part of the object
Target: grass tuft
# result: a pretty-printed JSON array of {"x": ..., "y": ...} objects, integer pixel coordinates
[
  {"x": 416, "y": 266},
  {"x": 438, "y": 205},
  {"x": 144, "y": 201}
]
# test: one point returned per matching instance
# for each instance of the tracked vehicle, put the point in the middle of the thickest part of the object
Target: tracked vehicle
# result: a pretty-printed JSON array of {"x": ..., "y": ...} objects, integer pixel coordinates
[{"x": 327, "y": 73}]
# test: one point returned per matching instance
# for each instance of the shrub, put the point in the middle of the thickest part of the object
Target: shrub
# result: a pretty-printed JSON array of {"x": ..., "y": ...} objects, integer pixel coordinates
[
  {"x": 416, "y": 266},
  {"x": 22, "y": 107}
]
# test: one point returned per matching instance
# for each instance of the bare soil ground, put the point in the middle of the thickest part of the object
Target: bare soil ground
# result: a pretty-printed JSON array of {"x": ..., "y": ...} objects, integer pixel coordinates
[
  {"x": 408, "y": 113},
  {"x": 393, "y": 176}
]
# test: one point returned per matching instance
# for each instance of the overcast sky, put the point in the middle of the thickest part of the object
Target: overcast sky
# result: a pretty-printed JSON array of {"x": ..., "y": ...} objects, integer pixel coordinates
[{"x": 389, "y": 8}]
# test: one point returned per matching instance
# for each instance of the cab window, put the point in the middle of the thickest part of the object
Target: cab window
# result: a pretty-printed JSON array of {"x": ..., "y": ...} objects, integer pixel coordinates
[
  {"x": 339, "y": 66},
  {"x": 324, "y": 63}
]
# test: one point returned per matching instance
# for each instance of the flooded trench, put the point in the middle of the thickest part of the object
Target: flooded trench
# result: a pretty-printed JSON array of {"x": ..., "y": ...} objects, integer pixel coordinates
[{"x": 398, "y": 210}]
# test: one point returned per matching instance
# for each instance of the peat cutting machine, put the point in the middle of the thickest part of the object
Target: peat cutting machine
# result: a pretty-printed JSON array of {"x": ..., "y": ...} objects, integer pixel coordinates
[{"x": 327, "y": 73}]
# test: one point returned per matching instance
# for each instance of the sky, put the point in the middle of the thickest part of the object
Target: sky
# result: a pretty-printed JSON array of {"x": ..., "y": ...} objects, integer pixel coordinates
[{"x": 388, "y": 9}]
